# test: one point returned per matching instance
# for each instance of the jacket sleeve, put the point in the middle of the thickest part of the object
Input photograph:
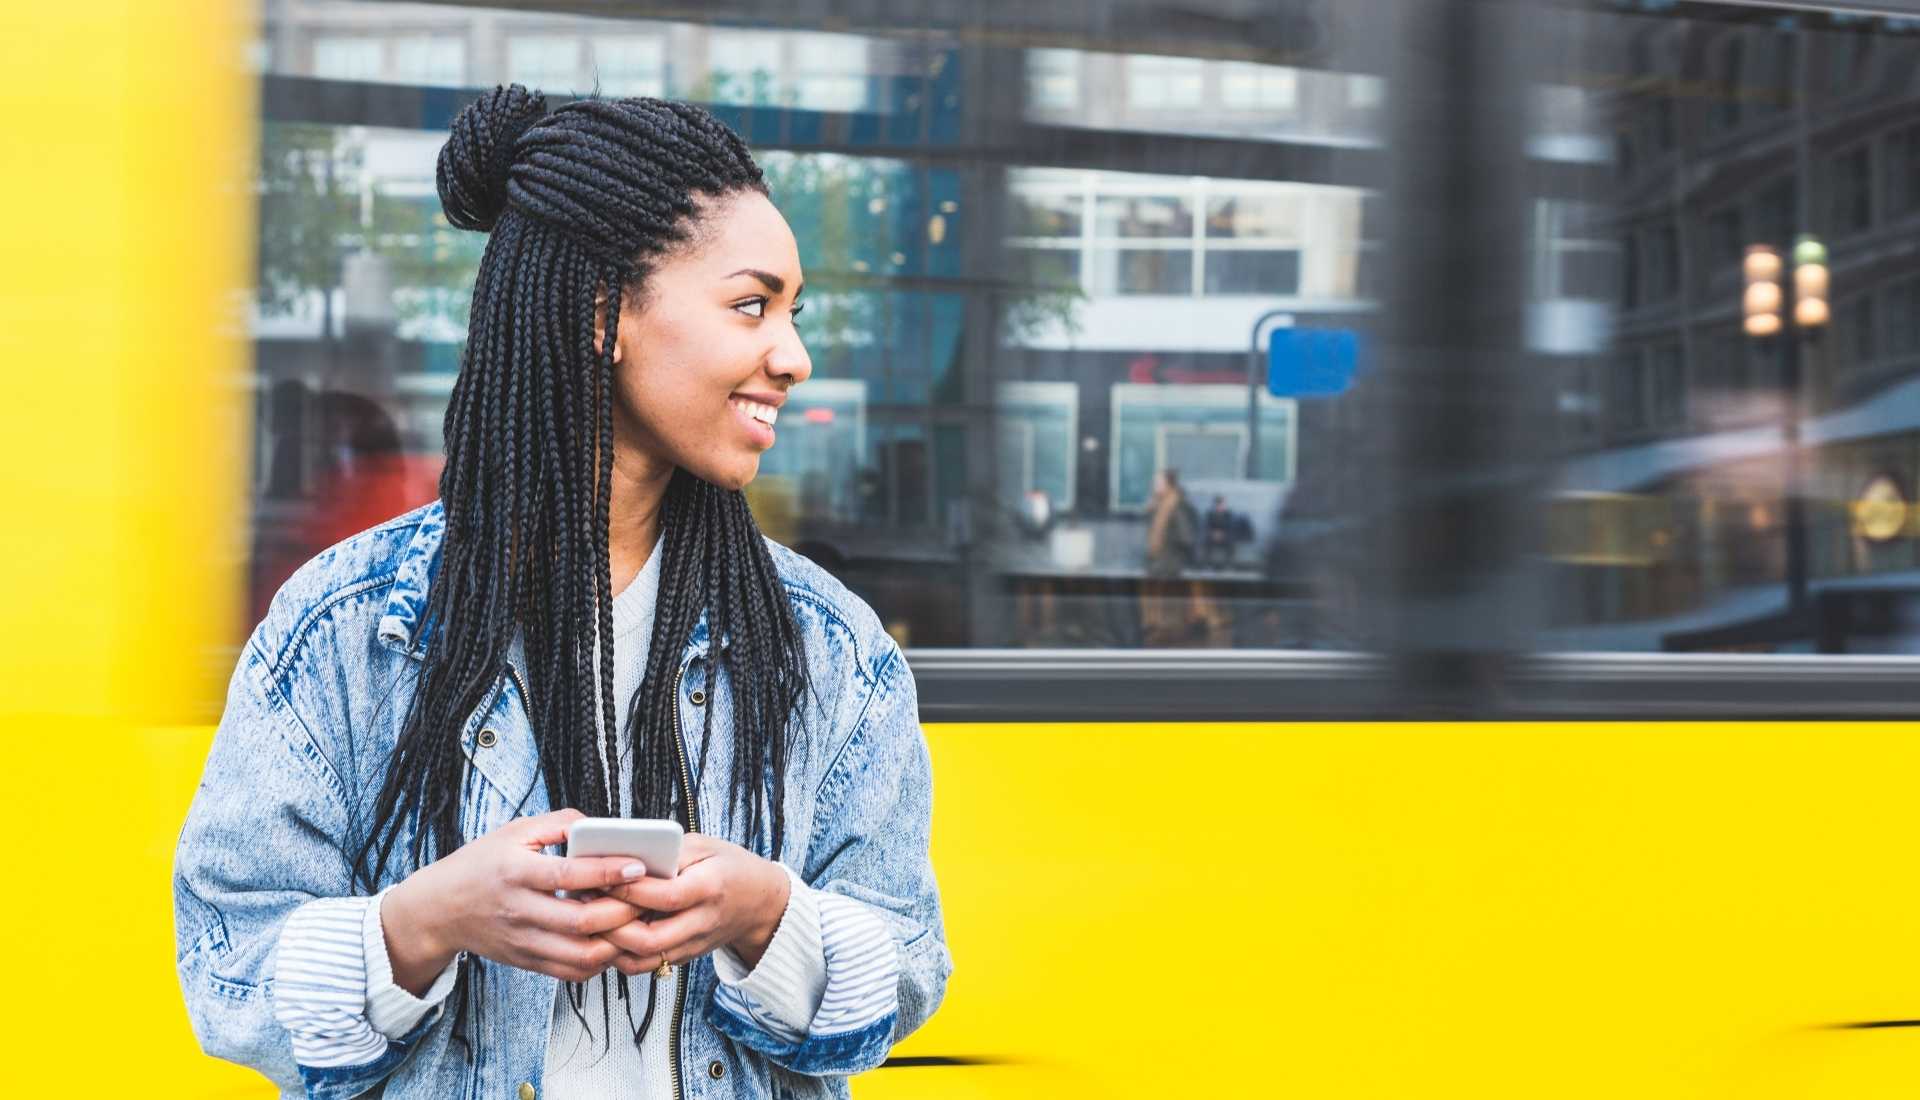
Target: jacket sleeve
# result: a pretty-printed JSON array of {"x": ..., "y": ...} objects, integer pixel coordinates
[
  {"x": 879, "y": 906},
  {"x": 266, "y": 845}
]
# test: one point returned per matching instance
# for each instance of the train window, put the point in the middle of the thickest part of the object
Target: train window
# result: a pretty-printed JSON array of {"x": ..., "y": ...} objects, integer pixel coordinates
[
  {"x": 1750, "y": 491},
  {"x": 1148, "y": 339},
  {"x": 1033, "y": 419}
]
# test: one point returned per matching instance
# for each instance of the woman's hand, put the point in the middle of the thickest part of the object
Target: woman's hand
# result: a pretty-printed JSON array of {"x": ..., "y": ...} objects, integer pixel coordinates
[
  {"x": 722, "y": 896},
  {"x": 494, "y": 897}
]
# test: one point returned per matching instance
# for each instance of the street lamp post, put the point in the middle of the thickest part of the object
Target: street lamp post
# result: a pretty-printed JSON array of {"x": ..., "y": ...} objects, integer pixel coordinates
[
  {"x": 1767, "y": 306},
  {"x": 1810, "y": 316}
]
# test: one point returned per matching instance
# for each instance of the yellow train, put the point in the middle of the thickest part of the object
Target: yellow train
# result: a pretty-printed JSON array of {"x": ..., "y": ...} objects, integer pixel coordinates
[{"x": 1646, "y": 875}]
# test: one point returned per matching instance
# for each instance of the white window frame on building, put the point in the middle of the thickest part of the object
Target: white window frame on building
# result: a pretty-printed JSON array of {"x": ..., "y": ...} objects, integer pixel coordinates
[
  {"x": 544, "y": 73},
  {"x": 630, "y": 65},
  {"x": 1277, "y": 414},
  {"x": 332, "y": 51},
  {"x": 1160, "y": 83},
  {"x": 1009, "y": 399},
  {"x": 1327, "y": 233},
  {"x": 1053, "y": 79},
  {"x": 1248, "y": 86},
  {"x": 441, "y": 62}
]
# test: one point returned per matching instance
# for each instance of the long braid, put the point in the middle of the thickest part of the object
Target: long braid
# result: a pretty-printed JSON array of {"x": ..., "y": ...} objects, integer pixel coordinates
[{"x": 578, "y": 204}]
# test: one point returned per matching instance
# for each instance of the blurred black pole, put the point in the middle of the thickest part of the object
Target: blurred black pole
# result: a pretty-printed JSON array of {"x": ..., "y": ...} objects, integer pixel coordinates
[
  {"x": 1447, "y": 496},
  {"x": 1793, "y": 351}
]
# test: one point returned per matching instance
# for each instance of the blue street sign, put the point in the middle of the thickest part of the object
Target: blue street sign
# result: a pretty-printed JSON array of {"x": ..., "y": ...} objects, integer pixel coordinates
[{"x": 1311, "y": 362}]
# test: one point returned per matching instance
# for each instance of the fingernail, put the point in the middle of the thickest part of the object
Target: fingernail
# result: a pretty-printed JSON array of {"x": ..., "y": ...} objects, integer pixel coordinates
[{"x": 633, "y": 870}]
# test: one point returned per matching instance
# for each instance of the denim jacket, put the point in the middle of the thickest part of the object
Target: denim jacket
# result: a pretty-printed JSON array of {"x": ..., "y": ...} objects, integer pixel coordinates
[{"x": 312, "y": 715}]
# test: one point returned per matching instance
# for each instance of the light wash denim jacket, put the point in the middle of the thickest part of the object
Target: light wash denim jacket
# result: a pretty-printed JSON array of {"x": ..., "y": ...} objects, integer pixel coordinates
[{"x": 312, "y": 715}]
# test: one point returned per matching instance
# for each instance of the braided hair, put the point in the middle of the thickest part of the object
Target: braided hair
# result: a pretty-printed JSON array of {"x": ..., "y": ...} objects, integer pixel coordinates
[{"x": 580, "y": 204}]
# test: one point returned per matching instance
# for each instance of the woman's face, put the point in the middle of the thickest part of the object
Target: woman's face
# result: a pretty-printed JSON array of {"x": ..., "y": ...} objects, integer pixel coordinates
[{"x": 703, "y": 366}]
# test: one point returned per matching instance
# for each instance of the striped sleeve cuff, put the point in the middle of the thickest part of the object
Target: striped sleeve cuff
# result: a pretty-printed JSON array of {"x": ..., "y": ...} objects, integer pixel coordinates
[
  {"x": 831, "y": 968},
  {"x": 783, "y": 991},
  {"x": 863, "y": 967},
  {"x": 320, "y": 984},
  {"x": 390, "y": 1009}
]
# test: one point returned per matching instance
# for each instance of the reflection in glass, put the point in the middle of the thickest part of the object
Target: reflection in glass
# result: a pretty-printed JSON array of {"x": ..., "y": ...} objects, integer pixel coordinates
[
  {"x": 1141, "y": 271},
  {"x": 1719, "y": 504},
  {"x": 1143, "y": 216},
  {"x": 977, "y": 451}
]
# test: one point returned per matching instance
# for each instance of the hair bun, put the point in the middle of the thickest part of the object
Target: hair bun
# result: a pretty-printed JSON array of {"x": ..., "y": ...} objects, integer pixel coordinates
[{"x": 475, "y": 161}]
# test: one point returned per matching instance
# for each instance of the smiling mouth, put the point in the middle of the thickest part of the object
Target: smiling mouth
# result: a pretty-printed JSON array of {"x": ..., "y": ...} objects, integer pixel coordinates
[
  {"x": 755, "y": 410},
  {"x": 756, "y": 419}
]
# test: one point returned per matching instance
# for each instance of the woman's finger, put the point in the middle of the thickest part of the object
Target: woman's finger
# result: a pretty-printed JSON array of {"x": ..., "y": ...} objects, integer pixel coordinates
[
  {"x": 665, "y": 895},
  {"x": 570, "y": 958},
  {"x": 573, "y": 917},
  {"x": 679, "y": 936},
  {"x": 542, "y": 830},
  {"x": 554, "y": 873}
]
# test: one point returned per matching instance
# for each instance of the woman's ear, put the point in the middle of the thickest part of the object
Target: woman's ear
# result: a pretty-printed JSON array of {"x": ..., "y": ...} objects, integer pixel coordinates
[{"x": 600, "y": 324}]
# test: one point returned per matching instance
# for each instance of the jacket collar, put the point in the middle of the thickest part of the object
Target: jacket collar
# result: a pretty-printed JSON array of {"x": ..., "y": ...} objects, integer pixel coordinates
[{"x": 401, "y": 628}]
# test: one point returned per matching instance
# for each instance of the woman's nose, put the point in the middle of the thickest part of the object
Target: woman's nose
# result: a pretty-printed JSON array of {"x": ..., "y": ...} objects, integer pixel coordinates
[{"x": 790, "y": 360}]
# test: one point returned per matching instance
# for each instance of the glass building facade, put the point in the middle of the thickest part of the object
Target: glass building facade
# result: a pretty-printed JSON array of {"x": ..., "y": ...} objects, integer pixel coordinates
[{"x": 1046, "y": 263}]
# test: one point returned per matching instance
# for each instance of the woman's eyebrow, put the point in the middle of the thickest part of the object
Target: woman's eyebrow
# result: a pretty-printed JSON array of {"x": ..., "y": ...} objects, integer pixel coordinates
[{"x": 774, "y": 282}]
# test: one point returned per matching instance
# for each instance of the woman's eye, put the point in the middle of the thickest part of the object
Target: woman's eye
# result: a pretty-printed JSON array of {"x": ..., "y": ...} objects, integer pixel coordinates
[
  {"x": 758, "y": 305},
  {"x": 797, "y": 307}
]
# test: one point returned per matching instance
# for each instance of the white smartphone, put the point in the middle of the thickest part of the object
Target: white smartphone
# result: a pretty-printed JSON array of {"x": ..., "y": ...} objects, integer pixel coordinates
[{"x": 653, "y": 841}]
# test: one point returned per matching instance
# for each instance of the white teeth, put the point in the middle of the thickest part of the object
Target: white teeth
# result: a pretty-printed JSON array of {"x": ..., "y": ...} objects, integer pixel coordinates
[{"x": 765, "y": 414}]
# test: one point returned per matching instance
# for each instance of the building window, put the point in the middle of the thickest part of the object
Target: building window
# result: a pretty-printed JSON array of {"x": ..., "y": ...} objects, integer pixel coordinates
[
  {"x": 1661, "y": 123},
  {"x": 1199, "y": 431},
  {"x": 1120, "y": 270},
  {"x": 1775, "y": 214},
  {"x": 1903, "y": 172},
  {"x": 1731, "y": 92},
  {"x": 1246, "y": 271},
  {"x": 1165, "y": 83},
  {"x": 1365, "y": 93},
  {"x": 1847, "y": 58},
  {"x": 347, "y": 58},
  {"x": 1663, "y": 262},
  {"x": 1246, "y": 86},
  {"x": 1629, "y": 271},
  {"x": 1623, "y": 152},
  {"x": 1725, "y": 245},
  {"x": 435, "y": 60},
  {"x": 545, "y": 62},
  {"x": 1669, "y": 383},
  {"x": 1571, "y": 260},
  {"x": 823, "y": 449},
  {"x": 1852, "y": 181},
  {"x": 1039, "y": 437},
  {"x": 1122, "y": 234},
  {"x": 1903, "y": 319},
  {"x": 1053, "y": 79},
  {"x": 831, "y": 72},
  {"x": 745, "y": 67},
  {"x": 1253, "y": 244},
  {"x": 1629, "y": 393},
  {"x": 1854, "y": 342},
  {"x": 1143, "y": 216},
  {"x": 631, "y": 65},
  {"x": 1776, "y": 78}
]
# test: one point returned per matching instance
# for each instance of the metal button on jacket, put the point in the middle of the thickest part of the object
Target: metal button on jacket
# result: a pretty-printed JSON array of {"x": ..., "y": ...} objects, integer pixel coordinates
[
  {"x": 487, "y": 740},
  {"x": 716, "y": 1069},
  {"x": 526, "y": 1091},
  {"x": 699, "y": 697}
]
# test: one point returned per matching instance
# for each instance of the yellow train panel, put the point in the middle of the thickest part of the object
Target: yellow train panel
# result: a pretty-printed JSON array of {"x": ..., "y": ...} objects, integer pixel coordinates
[{"x": 1677, "y": 910}]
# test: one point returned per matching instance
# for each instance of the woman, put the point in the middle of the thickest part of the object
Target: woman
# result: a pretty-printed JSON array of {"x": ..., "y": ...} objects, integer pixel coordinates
[
  {"x": 1171, "y": 532},
  {"x": 367, "y": 892}
]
